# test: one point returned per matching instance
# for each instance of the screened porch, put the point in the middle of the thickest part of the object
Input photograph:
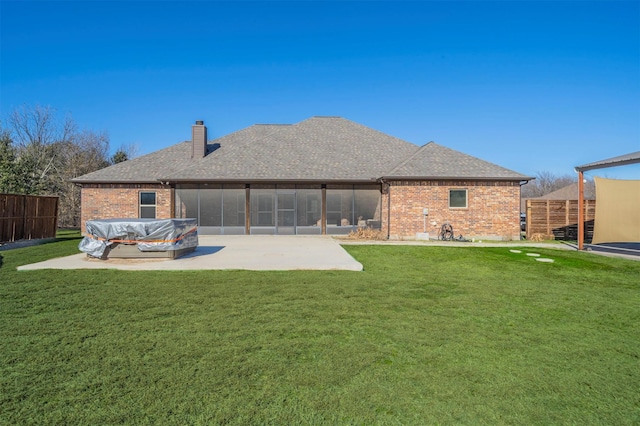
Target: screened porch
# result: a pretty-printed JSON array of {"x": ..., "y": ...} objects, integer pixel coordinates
[{"x": 282, "y": 209}]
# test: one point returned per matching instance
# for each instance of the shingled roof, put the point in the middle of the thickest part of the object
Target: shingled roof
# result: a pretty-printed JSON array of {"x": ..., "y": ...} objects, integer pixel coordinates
[
  {"x": 437, "y": 161},
  {"x": 316, "y": 149},
  {"x": 570, "y": 192}
]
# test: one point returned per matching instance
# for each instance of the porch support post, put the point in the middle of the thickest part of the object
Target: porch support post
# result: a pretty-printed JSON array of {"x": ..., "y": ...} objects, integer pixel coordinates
[
  {"x": 388, "y": 211},
  {"x": 247, "y": 209},
  {"x": 580, "y": 210},
  {"x": 324, "y": 210}
]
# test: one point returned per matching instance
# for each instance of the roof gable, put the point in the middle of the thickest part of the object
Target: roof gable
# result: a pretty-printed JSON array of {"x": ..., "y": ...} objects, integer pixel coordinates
[
  {"x": 571, "y": 192},
  {"x": 437, "y": 161}
]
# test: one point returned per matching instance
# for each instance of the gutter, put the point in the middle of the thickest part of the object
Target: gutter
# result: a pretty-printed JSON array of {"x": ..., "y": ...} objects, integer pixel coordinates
[
  {"x": 473, "y": 178},
  {"x": 244, "y": 180},
  {"x": 115, "y": 182}
]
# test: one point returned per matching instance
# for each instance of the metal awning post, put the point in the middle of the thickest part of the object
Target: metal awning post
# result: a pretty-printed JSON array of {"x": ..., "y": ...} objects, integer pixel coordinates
[{"x": 580, "y": 210}]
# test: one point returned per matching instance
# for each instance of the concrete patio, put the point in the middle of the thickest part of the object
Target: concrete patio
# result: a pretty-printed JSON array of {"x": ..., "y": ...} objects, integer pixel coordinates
[{"x": 248, "y": 252}]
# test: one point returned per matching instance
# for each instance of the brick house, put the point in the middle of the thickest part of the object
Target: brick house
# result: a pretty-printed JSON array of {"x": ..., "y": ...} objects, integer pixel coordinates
[{"x": 322, "y": 176}]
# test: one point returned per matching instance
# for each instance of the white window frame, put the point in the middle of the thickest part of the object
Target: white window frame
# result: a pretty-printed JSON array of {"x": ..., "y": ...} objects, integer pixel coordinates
[{"x": 141, "y": 206}]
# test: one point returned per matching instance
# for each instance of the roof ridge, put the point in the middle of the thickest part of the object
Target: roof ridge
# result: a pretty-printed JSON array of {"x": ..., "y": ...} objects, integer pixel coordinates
[
  {"x": 272, "y": 124},
  {"x": 411, "y": 157},
  {"x": 249, "y": 129},
  {"x": 359, "y": 125}
]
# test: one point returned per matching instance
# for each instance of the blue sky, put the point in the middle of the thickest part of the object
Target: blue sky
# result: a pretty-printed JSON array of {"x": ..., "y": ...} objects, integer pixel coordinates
[{"x": 531, "y": 86}]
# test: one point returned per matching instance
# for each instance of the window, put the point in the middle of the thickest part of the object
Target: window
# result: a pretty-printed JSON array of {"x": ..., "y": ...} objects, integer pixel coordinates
[
  {"x": 148, "y": 205},
  {"x": 457, "y": 198}
]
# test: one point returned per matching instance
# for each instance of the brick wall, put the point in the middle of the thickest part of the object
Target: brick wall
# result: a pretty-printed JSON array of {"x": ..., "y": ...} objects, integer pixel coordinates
[
  {"x": 493, "y": 209},
  {"x": 115, "y": 201}
]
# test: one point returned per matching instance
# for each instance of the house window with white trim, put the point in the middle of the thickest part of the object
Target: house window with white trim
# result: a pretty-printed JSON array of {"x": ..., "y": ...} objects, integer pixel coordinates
[
  {"x": 147, "y": 205},
  {"x": 458, "y": 199}
]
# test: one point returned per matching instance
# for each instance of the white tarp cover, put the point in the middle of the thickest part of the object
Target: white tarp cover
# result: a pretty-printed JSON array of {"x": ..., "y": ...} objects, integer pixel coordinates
[
  {"x": 617, "y": 211},
  {"x": 146, "y": 234}
]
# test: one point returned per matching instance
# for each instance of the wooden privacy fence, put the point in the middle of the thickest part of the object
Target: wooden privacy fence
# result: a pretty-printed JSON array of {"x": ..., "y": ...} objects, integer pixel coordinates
[
  {"x": 27, "y": 217},
  {"x": 559, "y": 218}
]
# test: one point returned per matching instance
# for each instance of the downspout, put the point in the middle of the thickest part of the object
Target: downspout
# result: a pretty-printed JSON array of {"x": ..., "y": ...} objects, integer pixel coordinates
[
  {"x": 386, "y": 188},
  {"x": 388, "y": 212},
  {"x": 172, "y": 199}
]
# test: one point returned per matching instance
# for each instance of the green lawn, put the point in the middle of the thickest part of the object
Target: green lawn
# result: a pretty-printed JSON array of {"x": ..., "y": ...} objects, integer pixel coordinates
[{"x": 424, "y": 335}]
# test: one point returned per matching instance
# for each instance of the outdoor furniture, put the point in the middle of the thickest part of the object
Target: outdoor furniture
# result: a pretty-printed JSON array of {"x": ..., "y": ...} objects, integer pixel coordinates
[{"x": 139, "y": 238}]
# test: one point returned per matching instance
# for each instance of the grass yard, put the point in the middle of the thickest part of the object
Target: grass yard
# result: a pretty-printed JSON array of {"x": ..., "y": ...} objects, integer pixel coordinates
[{"x": 425, "y": 335}]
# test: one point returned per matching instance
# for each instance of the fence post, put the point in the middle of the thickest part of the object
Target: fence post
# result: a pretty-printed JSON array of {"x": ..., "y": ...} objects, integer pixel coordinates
[
  {"x": 55, "y": 219},
  {"x": 24, "y": 217},
  {"x": 548, "y": 218},
  {"x": 527, "y": 219}
]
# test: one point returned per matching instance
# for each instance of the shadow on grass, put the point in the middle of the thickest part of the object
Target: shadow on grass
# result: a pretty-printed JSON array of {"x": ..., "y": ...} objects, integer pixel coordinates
[{"x": 62, "y": 235}]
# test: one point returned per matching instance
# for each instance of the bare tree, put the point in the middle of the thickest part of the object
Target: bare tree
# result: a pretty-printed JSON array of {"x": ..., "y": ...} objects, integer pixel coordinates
[
  {"x": 124, "y": 153},
  {"x": 35, "y": 132},
  {"x": 545, "y": 183},
  {"x": 38, "y": 126},
  {"x": 44, "y": 153},
  {"x": 84, "y": 153}
]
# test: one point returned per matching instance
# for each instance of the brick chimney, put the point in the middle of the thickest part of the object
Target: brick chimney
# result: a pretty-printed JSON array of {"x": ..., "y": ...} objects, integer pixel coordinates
[{"x": 198, "y": 140}]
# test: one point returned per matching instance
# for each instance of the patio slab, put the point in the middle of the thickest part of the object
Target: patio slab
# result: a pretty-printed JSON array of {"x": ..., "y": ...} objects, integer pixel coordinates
[{"x": 221, "y": 252}]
